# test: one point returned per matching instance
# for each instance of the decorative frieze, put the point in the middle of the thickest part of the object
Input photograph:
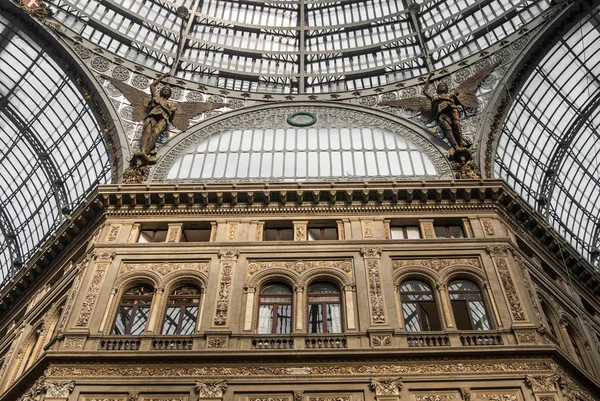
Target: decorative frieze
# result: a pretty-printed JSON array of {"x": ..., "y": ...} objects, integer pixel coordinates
[
  {"x": 500, "y": 396},
  {"x": 436, "y": 264},
  {"x": 498, "y": 250},
  {"x": 92, "y": 293},
  {"x": 300, "y": 266},
  {"x": 372, "y": 253},
  {"x": 138, "y": 370},
  {"x": 514, "y": 303},
  {"x": 211, "y": 389},
  {"x": 229, "y": 254},
  {"x": 386, "y": 386},
  {"x": 268, "y": 398},
  {"x": 340, "y": 398},
  {"x": 104, "y": 256},
  {"x": 167, "y": 267},
  {"x": 103, "y": 398},
  {"x": 299, "y": 231},
  {"x": 434, "y": 397}
]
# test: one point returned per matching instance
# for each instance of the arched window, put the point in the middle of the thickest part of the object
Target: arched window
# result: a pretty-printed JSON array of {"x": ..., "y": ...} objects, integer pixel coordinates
[
  {"x": 182, "y": 311},
  {"x": 548, "y": 317},
  {"x": 275, "y": 310},
  {"x": 134, "y": 309},
  {"x": 467, "y": 305},
  {"x": 418, "y": 307},
  {"x": 324, "y": 308},
  {"x": 576, "y": 348}
]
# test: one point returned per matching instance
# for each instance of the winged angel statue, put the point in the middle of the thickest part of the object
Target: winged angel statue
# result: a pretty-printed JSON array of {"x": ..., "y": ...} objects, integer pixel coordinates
[
  {"x": 157, "y": 111},
  {"x": 443, "y": 107}
]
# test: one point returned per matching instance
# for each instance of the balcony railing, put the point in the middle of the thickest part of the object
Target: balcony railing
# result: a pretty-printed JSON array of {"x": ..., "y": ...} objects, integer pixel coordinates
[
  {"x": 428, "y": 341},
  {"x": 481, "y": 339},
  {"x": 273, "y": 343},
  {"x": 326, "y": 342},
  {"x": 172, "y": 343},
  {"x": 120, "y": 344}
]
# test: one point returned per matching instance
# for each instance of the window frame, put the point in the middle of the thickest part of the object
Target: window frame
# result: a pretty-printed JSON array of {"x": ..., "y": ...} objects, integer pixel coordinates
[
  {"x": 182, "y": 307},
  {"x": 134, "y": 308},
  {"x": 275, "y": 310},
  {"x": 467, "y": 302},
  {"x": 447, "y": 228},
  {"x": 324, "y": 307},
  {"x": 421, "y": 312}
]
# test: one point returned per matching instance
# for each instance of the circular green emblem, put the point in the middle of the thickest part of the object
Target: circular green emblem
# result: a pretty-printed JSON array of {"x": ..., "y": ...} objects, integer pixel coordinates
[{"x": 301, "y": 119}]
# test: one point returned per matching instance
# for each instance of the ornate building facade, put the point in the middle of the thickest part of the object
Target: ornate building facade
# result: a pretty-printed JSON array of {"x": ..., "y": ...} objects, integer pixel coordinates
[{"x": 310, "y": 243}]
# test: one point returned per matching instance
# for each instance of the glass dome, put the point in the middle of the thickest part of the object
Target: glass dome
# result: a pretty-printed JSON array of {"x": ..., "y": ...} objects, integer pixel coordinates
[
  {"x": 549, "y": 148},
  {"x": 52, "y": 150},
  {"x": 296, "y": 46}
]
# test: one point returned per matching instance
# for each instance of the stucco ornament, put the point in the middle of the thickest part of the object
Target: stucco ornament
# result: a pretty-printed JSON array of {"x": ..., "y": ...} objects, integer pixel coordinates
[
  {"x": 59, "y": 389},
  {"x": 211, "y": 389},
  {"x": 542, "y": 382},
  {"x": 36, "y": 391},
  {"x": 386, "y": 386}
]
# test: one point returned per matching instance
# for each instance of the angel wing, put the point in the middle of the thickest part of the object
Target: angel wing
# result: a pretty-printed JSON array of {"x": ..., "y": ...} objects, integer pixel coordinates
[
  {"x": 187, "y": 110},
  {"x": 136, "y": 97},
  {"x": 466, "y": 90},
  {"x": 420, "y": 103}
]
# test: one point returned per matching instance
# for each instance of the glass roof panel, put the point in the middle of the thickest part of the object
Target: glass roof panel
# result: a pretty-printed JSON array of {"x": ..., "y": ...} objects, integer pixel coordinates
[
  {"x": 549, "y": 149},
  {"x": 296, "y": 46},
  {"x": 51, "y": 149}
]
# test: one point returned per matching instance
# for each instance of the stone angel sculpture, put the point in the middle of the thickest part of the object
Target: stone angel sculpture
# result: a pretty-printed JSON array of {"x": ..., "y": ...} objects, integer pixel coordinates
[
  {"x": 443, "y": 107},
  {"x": 157, "y": 111}
]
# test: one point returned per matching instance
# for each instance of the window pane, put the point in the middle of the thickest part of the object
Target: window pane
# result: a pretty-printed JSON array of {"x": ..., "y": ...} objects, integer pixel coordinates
[
  {"x": 265, "y": 319},
  {"x": 171, "y": 320},
  {"x": 122, "y": 321},
  {"x": 334, "y": 318},
  {"x": 188, "y": 325},
  {"x": 139, "y": 321},
  {"x": 411, "y": 317},
  {"x": 284, "y": 319},
  {"x": 478, "y": 316},
  {"x": 315, "y": 319}
]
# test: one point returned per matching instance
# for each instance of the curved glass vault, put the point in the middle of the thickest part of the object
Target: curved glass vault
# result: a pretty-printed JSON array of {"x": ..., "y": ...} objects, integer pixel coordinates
[
  {"x": 303, "y": 154},
  {"x": 296, "y": 46},
  {"x": 549, "y": 148},
  {"x": 52, "y": 152}
]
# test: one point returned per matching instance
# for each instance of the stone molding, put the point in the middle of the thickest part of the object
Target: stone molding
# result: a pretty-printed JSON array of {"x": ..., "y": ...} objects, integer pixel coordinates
[
  {"x": 301, "y": 266},
  {"x": 435, "y": 263}
]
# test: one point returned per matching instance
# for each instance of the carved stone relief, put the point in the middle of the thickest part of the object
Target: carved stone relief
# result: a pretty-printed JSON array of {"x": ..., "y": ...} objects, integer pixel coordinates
[
  {"x": 381, "y": 341},
  {"x": 532, "y": 295},
  {"x": 74, "y": 343},
  {"x": 228, "y": 258},
  {"x": 299, "y": 232},
  {"x": 113, "y": 232},
  {"x": 59, "y": 389},
  {"x": 300, "y": 266},
  {"x": 217, "y": 342},
  {"x": 500, "y": 396},
  {"x": 232, "y": 229},
  {"x": 92, "y": 293},
  {"x": 322, "y": 370},
  {"x": 427, "y": 230},
  {"x": 166, "y": 268},
  {"x": 542, "y": 382},
  {"x": 367, "y": 228},
  {"x": 214, "y": 389},
  {"x": 514, "y": 303},
  {"x": 372, "y": 256},
  {"x": 436, "y": 264},
  {"x": 434, "y": 397},
  {"x": 488, "y": 227},
  {"x": 341, "y": 398},
  {"x": 386, "y": 386},
  {"x": 527, "y": 338}
]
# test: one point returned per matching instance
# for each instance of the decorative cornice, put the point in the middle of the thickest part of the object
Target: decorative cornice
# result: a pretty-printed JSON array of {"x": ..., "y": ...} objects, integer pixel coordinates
[
  {"x": 371, "y": 253},
  {"x": 435, "y": 263}
]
